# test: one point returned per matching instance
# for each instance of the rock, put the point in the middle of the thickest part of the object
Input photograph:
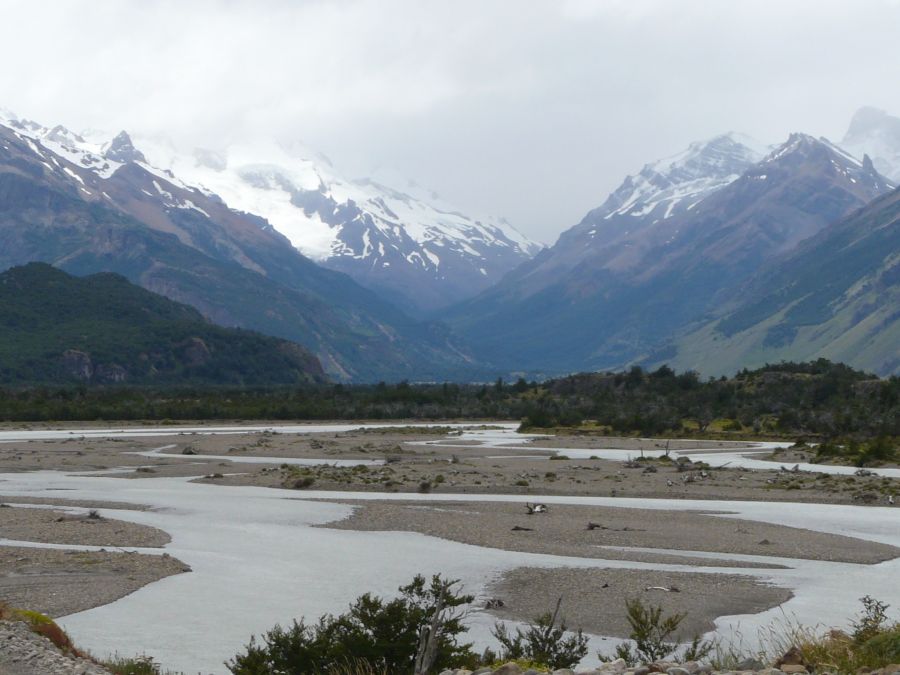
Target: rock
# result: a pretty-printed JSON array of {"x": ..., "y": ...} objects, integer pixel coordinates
[
  {"x": 793, "y": 668},
  {"x": 617, "y": 666},
  {"x": 463, "y": 671},
  {"x": 508, "y": 669},
  {"x": 563, "y": 671},
  {"x": 691, "y": 666},
  {"x": 750, "y": 664},
  {"x": 792, "y": 657},
  {"x": 482, "y": 671},
  {"x": 641, "y": 670},
  {"x": 678, "y": 670}
]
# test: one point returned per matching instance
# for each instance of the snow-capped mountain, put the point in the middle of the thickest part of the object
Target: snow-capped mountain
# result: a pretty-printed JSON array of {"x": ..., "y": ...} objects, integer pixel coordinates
[
  {"x": 670, "y": 246},
  {"x": 671, "y": 186},
  {"x": 661, "y": 191},
  {"x": 874, "y": 133},
  {"x": 89, "y": 205},
  {"x": 404, "y": 243}
]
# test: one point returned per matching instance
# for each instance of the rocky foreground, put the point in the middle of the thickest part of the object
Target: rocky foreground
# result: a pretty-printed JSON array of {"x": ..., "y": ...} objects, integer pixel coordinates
[
  {"x": 24, "y": 652},
  {"x": 789, "y": 664}
]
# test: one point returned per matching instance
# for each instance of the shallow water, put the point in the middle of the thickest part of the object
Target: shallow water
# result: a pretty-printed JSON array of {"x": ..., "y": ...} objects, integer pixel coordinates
[{"x": 258, "y": 560}]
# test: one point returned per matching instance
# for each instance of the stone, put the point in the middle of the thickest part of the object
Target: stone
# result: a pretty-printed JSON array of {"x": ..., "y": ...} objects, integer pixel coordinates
[
  {"x": 678, "y": 670},
  {"x": 750, "y": 664},
  {"x": 793, "y": 668},
  {"x": 792, "y": 657},
  {"x": 563, "y": 671},
  {"x": 691, "y": 666},
  {"x": 508, "y": 669},
  {"x": 617, "y": 666},
  {"x": 642, "y": 670}
]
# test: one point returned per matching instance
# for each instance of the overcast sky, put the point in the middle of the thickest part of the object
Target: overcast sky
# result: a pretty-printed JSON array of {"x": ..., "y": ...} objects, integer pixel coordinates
[{"x": 533, "y": 110}]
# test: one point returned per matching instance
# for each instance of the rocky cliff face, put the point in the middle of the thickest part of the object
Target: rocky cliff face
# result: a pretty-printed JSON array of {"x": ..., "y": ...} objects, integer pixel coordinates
[{"x": 874, "y": 133}]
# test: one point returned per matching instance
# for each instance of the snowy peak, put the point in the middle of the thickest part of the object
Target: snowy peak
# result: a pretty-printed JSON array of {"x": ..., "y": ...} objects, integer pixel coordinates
[
  {"x": 666, "y": 188},
  {"x": 412, "y": 247},
  {"x": 63, "y": 143},
  {"x": 875, "y": 133},
  {"x": 406, "y": 243},
  {"x": 802, "y": 152},
  {"x": 122, "y": 150},
  {"x": 683, "y": 179}
]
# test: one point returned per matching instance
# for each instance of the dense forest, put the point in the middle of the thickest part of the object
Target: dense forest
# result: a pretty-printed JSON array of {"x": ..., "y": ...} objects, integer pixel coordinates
[
  {"x": 819, "y": 400},
  {"x": 101, "y": 329}
]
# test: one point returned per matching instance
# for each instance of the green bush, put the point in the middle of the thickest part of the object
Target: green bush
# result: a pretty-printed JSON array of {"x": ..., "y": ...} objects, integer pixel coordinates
[
  {"x": 654, "y": 637},
  {"x": 543, "y": 642},
  {"x": 381, "y": 634}
]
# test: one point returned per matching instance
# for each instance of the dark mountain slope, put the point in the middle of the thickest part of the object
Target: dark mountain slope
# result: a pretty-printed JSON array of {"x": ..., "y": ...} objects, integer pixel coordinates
[
  {"x": 56, "y": 328},
  {"x": 837, "y": 296}
]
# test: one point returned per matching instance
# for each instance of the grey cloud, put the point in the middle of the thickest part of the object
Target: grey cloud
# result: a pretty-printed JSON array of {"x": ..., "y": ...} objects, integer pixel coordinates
[{"x": 532, "y": 110}]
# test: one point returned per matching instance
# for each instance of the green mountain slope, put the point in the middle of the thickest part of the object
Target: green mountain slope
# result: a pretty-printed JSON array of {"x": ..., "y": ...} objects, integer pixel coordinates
[
  {"x": 837, "y": 296},
  {"x": 56, "y": 328}
]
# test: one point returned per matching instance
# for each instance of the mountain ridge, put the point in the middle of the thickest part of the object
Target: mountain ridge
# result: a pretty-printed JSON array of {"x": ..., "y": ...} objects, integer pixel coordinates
[
  {"x": 86, "y": 212},
  {"x": 102, "y": 329},
  {"x": 615, "y": 298}
]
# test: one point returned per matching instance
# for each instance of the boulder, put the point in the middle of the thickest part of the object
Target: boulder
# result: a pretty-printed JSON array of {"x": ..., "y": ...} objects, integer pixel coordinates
[
  {"x": 750, "y": 664},
  {"x": 508, "y": 669},
  {"x": 793, "y": 668},
  {"x": 792, "y": 657}
]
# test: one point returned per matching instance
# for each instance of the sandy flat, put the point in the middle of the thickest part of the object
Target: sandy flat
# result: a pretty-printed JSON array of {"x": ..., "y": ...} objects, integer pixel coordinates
[
  {"x": 60, "y": 527},
  {"x": 594, "y": 599},
  {"x": 57, "y": 583},
  {"x": 564, "y": 530}
]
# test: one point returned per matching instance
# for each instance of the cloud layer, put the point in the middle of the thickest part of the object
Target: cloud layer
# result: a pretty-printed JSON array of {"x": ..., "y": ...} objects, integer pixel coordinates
[{"x": 532, "y": 110}]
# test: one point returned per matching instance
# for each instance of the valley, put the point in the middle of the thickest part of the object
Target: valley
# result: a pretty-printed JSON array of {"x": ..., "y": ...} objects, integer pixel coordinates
[{"x": 226, "y": 495}]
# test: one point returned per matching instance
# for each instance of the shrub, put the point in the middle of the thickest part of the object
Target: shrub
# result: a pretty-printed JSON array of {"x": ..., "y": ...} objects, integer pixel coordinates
[
  {"x": 374, "y": 634},
  {"x": 653, "y": 636},
  {"x": 542, "y": 642},
  {"x": 873, "y": 619},
  {"x": 140, "y": 665}
]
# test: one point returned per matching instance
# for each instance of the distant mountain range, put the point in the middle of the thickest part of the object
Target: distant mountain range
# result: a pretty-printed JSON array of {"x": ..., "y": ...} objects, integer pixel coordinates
[
  {"x": 101, "y": 329},
  {"x": 405, "y": 243},
  {"x": 671, "y": 246},
  {"x": 728, "y": 254},
  {"x": 91, "y": 208}
]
